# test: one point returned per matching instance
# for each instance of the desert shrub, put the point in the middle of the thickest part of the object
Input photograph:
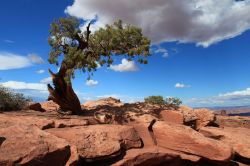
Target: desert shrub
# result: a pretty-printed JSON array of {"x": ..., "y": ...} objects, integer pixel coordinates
[
  {"x": 10, "y": 100},
  {"x": 155, "y": 100},
  {"x": 172, "y": 102}
]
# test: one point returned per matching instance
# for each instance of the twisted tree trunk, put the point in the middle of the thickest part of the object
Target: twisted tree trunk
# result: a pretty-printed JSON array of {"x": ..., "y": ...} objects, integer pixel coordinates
[{"x": 63, "y": 93}]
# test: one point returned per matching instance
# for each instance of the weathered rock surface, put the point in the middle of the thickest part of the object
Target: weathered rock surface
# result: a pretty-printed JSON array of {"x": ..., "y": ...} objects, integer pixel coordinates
[
  {"x": 237, "y": 138},
  {"x": 197, "y": 118},
  {"x": 28, "y": 145},
  {"x": 204, "y": 116},
  {"x": 87, "y": 142},
  {"x": 49, "y": 106},
  {"x": 150, "y": 157},
  {"x": 99, "y": 141},
  {"x": 172, "y": 116},
  {"x": 184, "y": 139},
  {"x": 233, "y": 121},
  {"x": 11, "y": 120},
  {"x": 103, "y": 102},
  {"x": 35, "y": 106}
]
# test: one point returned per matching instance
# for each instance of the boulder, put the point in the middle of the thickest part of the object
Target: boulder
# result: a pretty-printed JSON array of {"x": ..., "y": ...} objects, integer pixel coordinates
[
  {"x": 184, "y": 139},
  {"x": 28, "y": 145},
  {"x": 237, "y": 138},
  {"x": 35, "y": 106},
  {"x": 188, "y": 114},
  {"x": 172, "y": 116},
  {"x": 111, "y": 102},
  {"x": 197, "y": 118},
  {"x": 233, "y": 121},
  {"x": 98, "y": 142},
  {"x": 204, "y": 116},
  {"x": 50, "y": 106}
]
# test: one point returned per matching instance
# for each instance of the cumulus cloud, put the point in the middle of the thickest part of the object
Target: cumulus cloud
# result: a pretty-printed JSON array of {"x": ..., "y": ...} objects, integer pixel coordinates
[
  {"x": 24, "y": 86},
  {"x": 125, "y": 66},
  {"x": 162, "y": 51},
  {"x": 40, "y": 71},
  {"x": 35, "y": 59},
  {"x": 202, "y": 22},
  {"x": 91, "y": 83},
  {"x": 14, "y": 61},
  {"x": 181, "y": 85},
  {"x": 46, "y": 80},
  {"x": 235, "y": 98}
]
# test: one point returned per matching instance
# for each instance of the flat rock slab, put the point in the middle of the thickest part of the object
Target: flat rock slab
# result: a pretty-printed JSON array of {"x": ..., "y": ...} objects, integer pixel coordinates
[
  {"x": 233, "y": 121},
  {"x": 184, "y": 139},
  {"x": 40, "y": 122},
  {"x": 237, "y": 138},
  {"x": 28, "y": 145},
  {"x": 97, "y": 142}
]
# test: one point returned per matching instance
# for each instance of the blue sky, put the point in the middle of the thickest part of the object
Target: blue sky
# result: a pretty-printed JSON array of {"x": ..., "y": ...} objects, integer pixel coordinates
[{"x": 205, "y": 63}]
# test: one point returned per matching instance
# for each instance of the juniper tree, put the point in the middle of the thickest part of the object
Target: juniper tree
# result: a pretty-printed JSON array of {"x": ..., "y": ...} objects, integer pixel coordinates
[{"x": 83, "y": 50}]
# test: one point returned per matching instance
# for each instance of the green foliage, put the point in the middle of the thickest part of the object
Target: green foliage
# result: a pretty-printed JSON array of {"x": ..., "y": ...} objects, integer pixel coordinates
[
  {"x": 11, "y": 101},
  {"x": 84, "y": 50},
  {"x": 155, "y": 100},
  {"x": 172, "y": 102}
]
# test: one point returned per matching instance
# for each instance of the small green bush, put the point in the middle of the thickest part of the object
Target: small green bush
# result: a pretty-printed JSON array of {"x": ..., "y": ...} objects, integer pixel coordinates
[
  {"x": 10, "y": 100},
  {"x": 172, "y": 102},
  {"x": 155, "y": 100}
]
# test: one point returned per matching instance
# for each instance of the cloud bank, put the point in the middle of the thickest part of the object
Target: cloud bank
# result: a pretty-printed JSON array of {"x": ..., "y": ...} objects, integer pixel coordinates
[
  {"x": 14, "y": 61},
  {"x": 235, "y": 98},
  {"x": 17, "y": 85},
  {"x": 202, "y": 22}
]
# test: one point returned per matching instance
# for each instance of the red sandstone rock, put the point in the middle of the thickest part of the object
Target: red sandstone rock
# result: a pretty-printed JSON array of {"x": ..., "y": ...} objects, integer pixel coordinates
[
  {"x": 28, "y": 145},
  {"x": 99, "y": 141},
  {"x": 197, "y": 118},
  {"x": 103, "y": 102},
  {"x": 49, "y": 106},
  {"x": 41, "y": 122},
  {"x": 184, "y": 139},
  {"x": 237, "y": 138},
  {"x": 35, "y": 107},
  {"x": 204, "y": 117},
  {"x": 233, "y": 121},
  {"x": 172, "y": 116}
]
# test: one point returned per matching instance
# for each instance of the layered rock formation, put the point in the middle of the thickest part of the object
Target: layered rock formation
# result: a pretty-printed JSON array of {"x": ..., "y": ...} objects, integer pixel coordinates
[{"x": 146, "y": 135}]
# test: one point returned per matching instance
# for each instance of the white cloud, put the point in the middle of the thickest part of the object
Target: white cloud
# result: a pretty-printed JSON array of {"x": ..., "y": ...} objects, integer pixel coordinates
[
  {"x": 235, "y": 98},
  {"x": 24, "y": 86},
  {"x": 46, "y": 80},
  {"x": 162, "y": 51},
  {"x": 125, "y": 66},
  {"x": 9, "y": 41},
  {"x": 35, "y": 59},
  {"x": 91, "y": 83},
  {"x": 13, "y": 61},
  {"x": 181, "y": 85},
  {"x": 202, "y": 22},
  {"x": 40, "y": 71}
]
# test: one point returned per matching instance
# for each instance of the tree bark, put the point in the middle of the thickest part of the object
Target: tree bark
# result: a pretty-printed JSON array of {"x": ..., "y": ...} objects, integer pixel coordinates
[{"x": 63, "y": 93}]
